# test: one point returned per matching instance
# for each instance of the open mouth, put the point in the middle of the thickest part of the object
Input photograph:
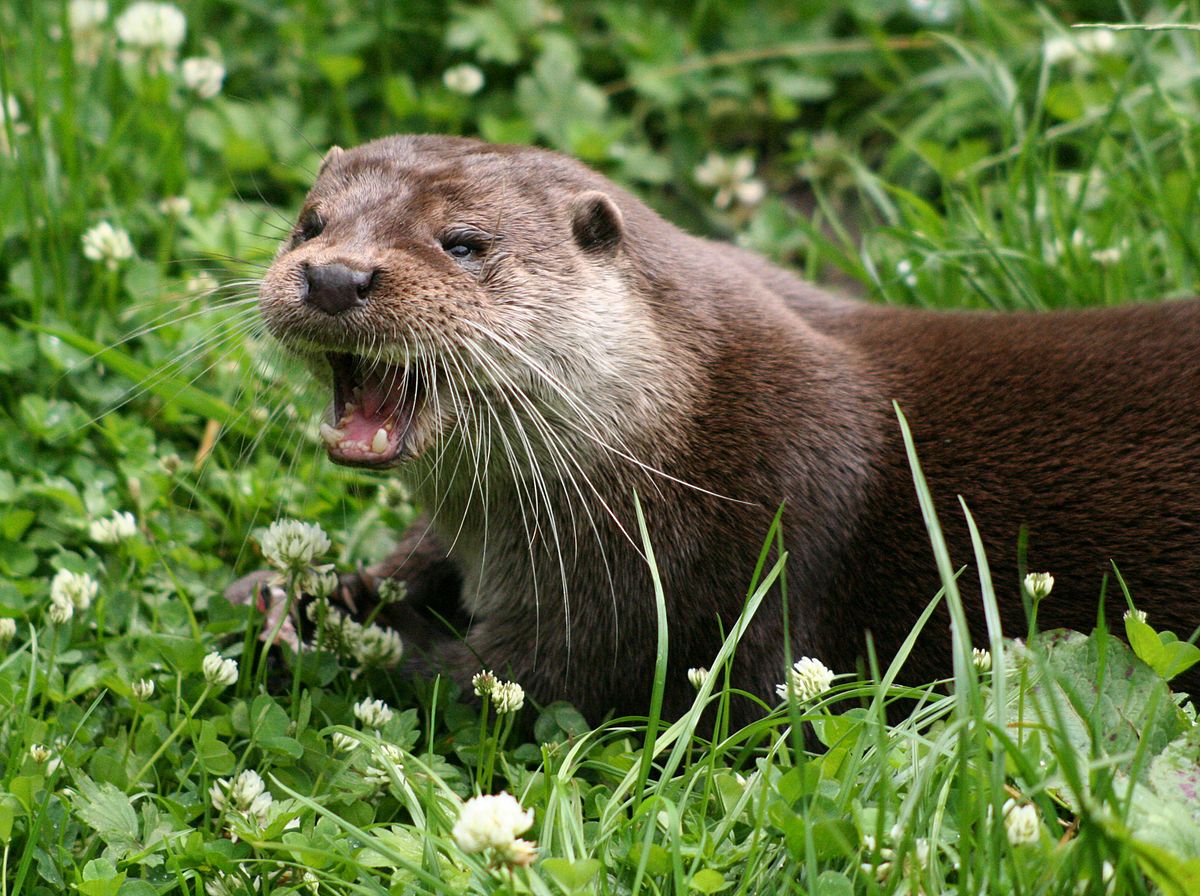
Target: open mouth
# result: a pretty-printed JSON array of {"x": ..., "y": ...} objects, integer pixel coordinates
[{"x": 375, "y": 404}]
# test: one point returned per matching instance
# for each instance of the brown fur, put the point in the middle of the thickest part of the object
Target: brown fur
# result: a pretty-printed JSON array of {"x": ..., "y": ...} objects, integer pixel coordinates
[{"x": 753, "y": 388}]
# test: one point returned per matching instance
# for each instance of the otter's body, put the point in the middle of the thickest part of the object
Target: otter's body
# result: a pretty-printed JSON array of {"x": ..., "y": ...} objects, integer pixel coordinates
[{"x": 528, "y": 344}]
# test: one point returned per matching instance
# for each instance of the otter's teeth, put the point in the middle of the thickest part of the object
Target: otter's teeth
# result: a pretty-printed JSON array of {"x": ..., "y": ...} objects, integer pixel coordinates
[
  {"x": 379, "y": 443},
  {"x": 330, "y": 436}
]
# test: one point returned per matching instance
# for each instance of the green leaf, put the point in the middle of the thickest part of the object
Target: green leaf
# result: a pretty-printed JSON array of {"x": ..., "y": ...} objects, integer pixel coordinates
[
  {"x": 15, "y": 521},
  {"x": 487, "y": 33},
  {"x": 1127, "y": 704},
  {"x": 833, "y": 883},
  {"x": 1175, "y": 773},
  {"x": 137, "y": 887},
  {"x": 17, "y": 560},
  {"x": 571, "y": 876},
  {"x": 107, "y": 811},
  {"x": 658, "y": 860},
  {"x": 1161, "y": 651},
  {"x": 84, "y": 678},
  {"x": 8, "y": 813},
  {"x": 1173, "y": 875},
  {"x": 340, "y": 70},
  {"x": 101, "y": 878},
  {"x": 211, "y": 753},
  {"x": 1144, "y": 641},
  {"x": 1177, "y": 657},
  {"x": 707, "y": 880}
]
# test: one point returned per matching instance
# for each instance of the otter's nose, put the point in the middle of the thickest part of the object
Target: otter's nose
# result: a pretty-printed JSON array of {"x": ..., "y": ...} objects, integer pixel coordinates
[{"x": 335, "y": 288}]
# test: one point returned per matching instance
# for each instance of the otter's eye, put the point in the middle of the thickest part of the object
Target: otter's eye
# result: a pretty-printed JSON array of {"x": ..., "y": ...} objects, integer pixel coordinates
[
  {"x": 311, "y": 226},
  {"x": 465, "y": 244}
]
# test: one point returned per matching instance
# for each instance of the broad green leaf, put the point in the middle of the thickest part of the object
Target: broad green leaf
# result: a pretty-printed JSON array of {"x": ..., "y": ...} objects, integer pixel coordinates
[
  {"x": 571, "y": 876},
  {"x": 107, "y": 811},
  {"x": 101, "y": 878},
  {"x": 707, "y": 880},
  {"x": 1130, "y": 704}
]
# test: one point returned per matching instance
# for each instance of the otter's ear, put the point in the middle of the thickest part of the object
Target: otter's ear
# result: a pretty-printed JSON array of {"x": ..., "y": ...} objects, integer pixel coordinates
[
  {"x": 335, "y": 153},
  {"x": 596, "y": 222}
]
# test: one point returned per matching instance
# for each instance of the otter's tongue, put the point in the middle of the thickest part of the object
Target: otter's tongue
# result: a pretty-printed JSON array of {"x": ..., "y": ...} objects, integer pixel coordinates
[{"x": 373, "y": 403}]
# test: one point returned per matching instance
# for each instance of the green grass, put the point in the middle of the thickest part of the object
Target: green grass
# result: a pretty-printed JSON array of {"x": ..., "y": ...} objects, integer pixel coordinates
[{"x": 945, "y": 154}]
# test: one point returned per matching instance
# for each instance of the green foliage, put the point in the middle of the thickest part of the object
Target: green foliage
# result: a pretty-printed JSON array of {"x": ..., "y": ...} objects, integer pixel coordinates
[{"x": 937, "y": 152}]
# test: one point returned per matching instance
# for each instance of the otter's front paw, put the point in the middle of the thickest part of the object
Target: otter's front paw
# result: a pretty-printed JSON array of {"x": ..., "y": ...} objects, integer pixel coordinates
[{"x": 264, "y": 591}]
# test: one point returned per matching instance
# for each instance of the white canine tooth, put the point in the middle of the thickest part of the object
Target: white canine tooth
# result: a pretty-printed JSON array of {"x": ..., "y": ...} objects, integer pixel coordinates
[
  {"x": 329, "y": 435},
  {"x": 379, "y": 443}
]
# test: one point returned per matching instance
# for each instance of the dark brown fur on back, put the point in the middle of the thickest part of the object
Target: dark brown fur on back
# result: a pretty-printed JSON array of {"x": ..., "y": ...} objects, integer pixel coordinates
[{"x": 761, "y": 389}]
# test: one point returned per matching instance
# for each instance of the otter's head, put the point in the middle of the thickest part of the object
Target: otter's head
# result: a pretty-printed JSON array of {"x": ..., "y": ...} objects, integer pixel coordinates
[{"x": 439, "y": 283}]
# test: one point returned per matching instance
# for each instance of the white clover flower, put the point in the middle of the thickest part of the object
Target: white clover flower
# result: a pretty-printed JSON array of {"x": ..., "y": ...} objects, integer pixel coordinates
[
  {"x": 291, "y": 545},
  {"x": 697, "y": 676},
  {"x": 10, "y": 112},
  {"x": 218, "y": 671},
  {"x": 507, "y": 696},
  {"x": 236, "y": 793},
  {"x": 1107, "y": 257},
  {"x": 113, "y": 529},
  {"x": 393, "y": 493},
  {"x": 378, "y": 646},
  {"x": 86, "y": 20},
  {"x": 39, "y": 753},
  {"x": 1078, "y": 46},
  {"x": 108, "y": 245},
  {"x": 392, "y": 591},
  {"x": 490, "y": 822},
  {"x": 75, "y": 589},
  {"x": 465, "y": 79},
  {"x": 483, "y": 683},
  {"x": 175, "y": 206},
  {"x": 61, "y": 609},
  {"x": 1139, "y": 615},
  {"x": 1039, "y": 584},
  {"x": 83, "y": 15},
  {"x": 202, "y": 283},
  {"x": 933, "y": 12},
  {"x": 343, "y": 742},
  {"x": 8, "y": 629},
  {"x": 222, "y": 884},
  {"x": 143, "y": 689},
  {"x": 246, "y": 796},
  {"x": 372, "y": 713},
  {"x": 10, "y": 109},
  {"x": 519, "y": 852},
  {"x": 806, "y": 679},
  {"x": 389, "y": 757},
  {"x": 203, "y": 75},
  {"x": 152, "y": 32},
  {"x": 336, "y": 631},
  {"x": 1022, "y": 824},
  {"x": 152, "y": 26},
  {"x": 981, "y": 659},
  {"x": 733, "y": 179}
]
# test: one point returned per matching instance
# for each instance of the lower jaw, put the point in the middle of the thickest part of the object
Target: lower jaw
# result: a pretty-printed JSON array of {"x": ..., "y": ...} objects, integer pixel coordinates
[{"x": 384, "y": 463}]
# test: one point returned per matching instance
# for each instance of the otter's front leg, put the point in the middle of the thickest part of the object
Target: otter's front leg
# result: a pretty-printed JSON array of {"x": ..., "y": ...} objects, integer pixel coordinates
[{"x": 432, "y": 608}]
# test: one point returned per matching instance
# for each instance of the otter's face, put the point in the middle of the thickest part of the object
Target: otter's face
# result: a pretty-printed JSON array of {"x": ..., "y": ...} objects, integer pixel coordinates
[{"x": 425, "y": 273}]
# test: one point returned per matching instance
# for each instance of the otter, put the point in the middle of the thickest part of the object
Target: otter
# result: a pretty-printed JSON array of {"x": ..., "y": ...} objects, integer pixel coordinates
[{"x": 529, "y": 345}]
